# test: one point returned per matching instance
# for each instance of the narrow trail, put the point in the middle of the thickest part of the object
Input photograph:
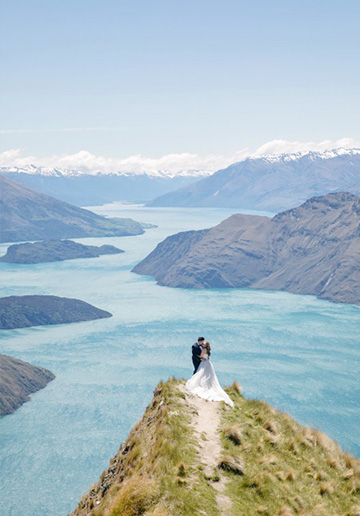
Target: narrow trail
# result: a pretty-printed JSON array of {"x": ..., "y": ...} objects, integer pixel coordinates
[{"x": 206, "y": 423}]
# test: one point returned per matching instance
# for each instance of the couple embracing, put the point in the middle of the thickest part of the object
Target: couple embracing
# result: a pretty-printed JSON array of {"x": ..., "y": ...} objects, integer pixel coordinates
[{"x": 204, "y": 382}]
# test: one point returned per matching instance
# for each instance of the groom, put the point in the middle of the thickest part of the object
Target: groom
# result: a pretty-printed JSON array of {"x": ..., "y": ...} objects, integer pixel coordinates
[{"x": 196, "y": 352}]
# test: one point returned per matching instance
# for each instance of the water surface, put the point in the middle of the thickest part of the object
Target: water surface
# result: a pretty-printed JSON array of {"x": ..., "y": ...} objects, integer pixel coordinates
[{"x": 299, "y": 353}]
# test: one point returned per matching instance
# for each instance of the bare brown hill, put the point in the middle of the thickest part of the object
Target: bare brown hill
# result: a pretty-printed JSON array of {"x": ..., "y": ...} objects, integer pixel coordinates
[{"x": 313, "y": 249}]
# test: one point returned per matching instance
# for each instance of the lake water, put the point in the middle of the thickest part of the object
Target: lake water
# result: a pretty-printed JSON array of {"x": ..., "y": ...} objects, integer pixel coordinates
[{"x": 299, "y": 353}]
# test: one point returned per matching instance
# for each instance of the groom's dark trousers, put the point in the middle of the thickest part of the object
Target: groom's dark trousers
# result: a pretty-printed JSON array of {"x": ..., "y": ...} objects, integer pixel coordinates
[{"x": 196, "y": 351}]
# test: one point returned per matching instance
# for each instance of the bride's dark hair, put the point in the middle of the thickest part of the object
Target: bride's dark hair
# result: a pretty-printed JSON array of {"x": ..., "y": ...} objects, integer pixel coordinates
[{"x": 208, "y": 348}]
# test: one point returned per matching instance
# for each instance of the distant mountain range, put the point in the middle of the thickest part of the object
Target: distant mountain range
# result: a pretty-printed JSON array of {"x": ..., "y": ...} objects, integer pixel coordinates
[
  {"x": 84, "y": 189},
  {"x": 273, "y": 184},
  {"x": 29, "y": 215},
  {"x": 312, "y": 249}
]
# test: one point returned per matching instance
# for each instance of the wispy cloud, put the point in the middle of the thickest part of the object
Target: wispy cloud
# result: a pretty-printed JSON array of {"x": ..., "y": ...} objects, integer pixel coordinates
[
  {"x": 170, "y": 164},
  {"x": 59, "y": 130}
]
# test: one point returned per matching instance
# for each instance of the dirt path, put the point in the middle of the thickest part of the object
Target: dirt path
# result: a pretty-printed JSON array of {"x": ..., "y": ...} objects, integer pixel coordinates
[{"x": 206, "y": 422}]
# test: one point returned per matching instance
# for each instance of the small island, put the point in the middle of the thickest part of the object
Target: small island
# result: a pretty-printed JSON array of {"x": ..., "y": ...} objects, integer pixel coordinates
[
  {"x": 54, "y": 251},
  {"x": 18, "y": 379},
  {"x": 25, "y": 311}
]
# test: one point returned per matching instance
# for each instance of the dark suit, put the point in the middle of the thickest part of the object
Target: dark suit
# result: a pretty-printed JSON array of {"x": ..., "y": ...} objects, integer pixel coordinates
[{"x": 196, "y": 351}]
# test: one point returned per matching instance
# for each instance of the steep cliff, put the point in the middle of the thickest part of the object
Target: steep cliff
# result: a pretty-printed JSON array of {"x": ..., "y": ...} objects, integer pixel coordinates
[{"x": 190, "y": 457}]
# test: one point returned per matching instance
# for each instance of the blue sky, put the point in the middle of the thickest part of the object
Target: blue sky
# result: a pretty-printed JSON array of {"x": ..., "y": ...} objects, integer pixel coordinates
[{"x": 117, "y": 78}]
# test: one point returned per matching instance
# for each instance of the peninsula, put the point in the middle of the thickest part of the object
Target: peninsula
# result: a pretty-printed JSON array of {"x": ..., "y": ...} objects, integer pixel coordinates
[
  {"x": 18, "y": 379},
  {"x": 29, "y": 215},
  {"x": 312, "y": 249}
]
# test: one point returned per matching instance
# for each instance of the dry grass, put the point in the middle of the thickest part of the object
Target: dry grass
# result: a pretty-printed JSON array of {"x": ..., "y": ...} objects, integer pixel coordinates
[
  {"x": 289, "y": 469},
  {"x": 273, "y": 466},
  {"x": 234, "y": 434}
]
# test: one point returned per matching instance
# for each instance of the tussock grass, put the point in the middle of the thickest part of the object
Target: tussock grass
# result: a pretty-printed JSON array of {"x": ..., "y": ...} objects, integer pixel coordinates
[{"x": 289, "y": 470}]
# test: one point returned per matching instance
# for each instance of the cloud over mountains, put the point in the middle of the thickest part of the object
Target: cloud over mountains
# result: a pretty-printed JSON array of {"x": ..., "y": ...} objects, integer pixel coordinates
[{"x": 170, "y": 164}]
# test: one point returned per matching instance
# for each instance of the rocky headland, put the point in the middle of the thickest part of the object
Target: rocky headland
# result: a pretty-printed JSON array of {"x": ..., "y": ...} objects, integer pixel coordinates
[
  {"x": 29, "y": 215},
  {"x": 189, "y": 457},
  {"x": 25, "y": 311},
  {"x": 312, "y": 249},
  {"x": 18, "y": 379},
  {"x": 54, "y": 251}
]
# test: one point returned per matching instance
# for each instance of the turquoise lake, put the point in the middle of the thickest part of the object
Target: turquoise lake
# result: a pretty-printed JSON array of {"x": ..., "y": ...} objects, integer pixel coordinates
[{"x": 298, "y": 353}]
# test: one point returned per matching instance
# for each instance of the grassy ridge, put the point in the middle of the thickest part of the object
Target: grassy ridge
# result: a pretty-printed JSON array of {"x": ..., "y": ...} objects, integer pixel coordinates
[
  {"x": 273, "y": 465},
  {"x": 288, "y": 469},
  {"x": 156, "y": 471}
]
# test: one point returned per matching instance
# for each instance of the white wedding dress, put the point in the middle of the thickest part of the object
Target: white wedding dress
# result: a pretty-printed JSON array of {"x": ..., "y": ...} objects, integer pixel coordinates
[{"x": 204, "y": 383}]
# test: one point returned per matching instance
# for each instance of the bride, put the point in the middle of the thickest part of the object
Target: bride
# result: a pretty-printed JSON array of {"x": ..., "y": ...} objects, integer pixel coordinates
[{"x": 204, "y": 382}]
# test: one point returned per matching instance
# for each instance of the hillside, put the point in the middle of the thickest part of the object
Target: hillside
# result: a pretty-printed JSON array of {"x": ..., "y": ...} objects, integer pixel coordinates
[
  {"x": 29, "y": 215},
  {"x": 313, "y": 249},
  {"x": 25, "y": 311},
  {"x": 18, "y": 379},
  {"x": 54, "y": 251},
  {"x": 190, "y": 457},
  {"x": 272, "y": 184}
]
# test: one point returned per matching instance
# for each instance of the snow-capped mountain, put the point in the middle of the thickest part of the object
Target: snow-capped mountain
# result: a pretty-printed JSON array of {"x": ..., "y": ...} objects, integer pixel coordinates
[
  {"x": 272, "y": 183},
  {"x": 84, "y": 189},
  {"x": 57, "y": 172}
]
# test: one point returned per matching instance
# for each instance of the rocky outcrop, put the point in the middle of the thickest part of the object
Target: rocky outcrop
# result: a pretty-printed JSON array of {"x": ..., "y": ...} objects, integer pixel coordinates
[
  {"x": 29, "y": 215},
  {"x": 54, "y": 251},
  {"x": 18, "y": 379},
  {"x": 271, "y": 184},
  {"x": 188, "y": 456},
  {"x": 313, "y": 249},
  {"x": 25, "y": 311}
]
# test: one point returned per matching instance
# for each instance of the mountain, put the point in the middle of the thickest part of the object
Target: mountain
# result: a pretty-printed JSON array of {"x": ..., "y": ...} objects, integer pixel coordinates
[
  {"x": 313, "y": 249},
  {"x": 25, "y": 311},
  {"x": 54, "y": 251},
  {"x": 83, "y": 189},
  {"x": 190, "y": 457},
  {"x": 29, "y": 215},
  {"x": 18, "y": 379},
  {"x": 273, "y": 184}
]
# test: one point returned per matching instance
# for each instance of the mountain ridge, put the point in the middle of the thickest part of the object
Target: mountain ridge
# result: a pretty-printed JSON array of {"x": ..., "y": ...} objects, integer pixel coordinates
[
  {"x": 188, "y": 456},
  {"x": 271, "y": 183}
]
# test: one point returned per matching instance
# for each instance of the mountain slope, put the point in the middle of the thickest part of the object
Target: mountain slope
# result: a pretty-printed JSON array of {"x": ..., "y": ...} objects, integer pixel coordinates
[
  {"x": 29, "y": 215},
  {"x": 18, "y": 379},
  {"x": 189, "y": 457},
  {"x": 271, "y": 184},
  {"x": 312, "y": 249}
]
